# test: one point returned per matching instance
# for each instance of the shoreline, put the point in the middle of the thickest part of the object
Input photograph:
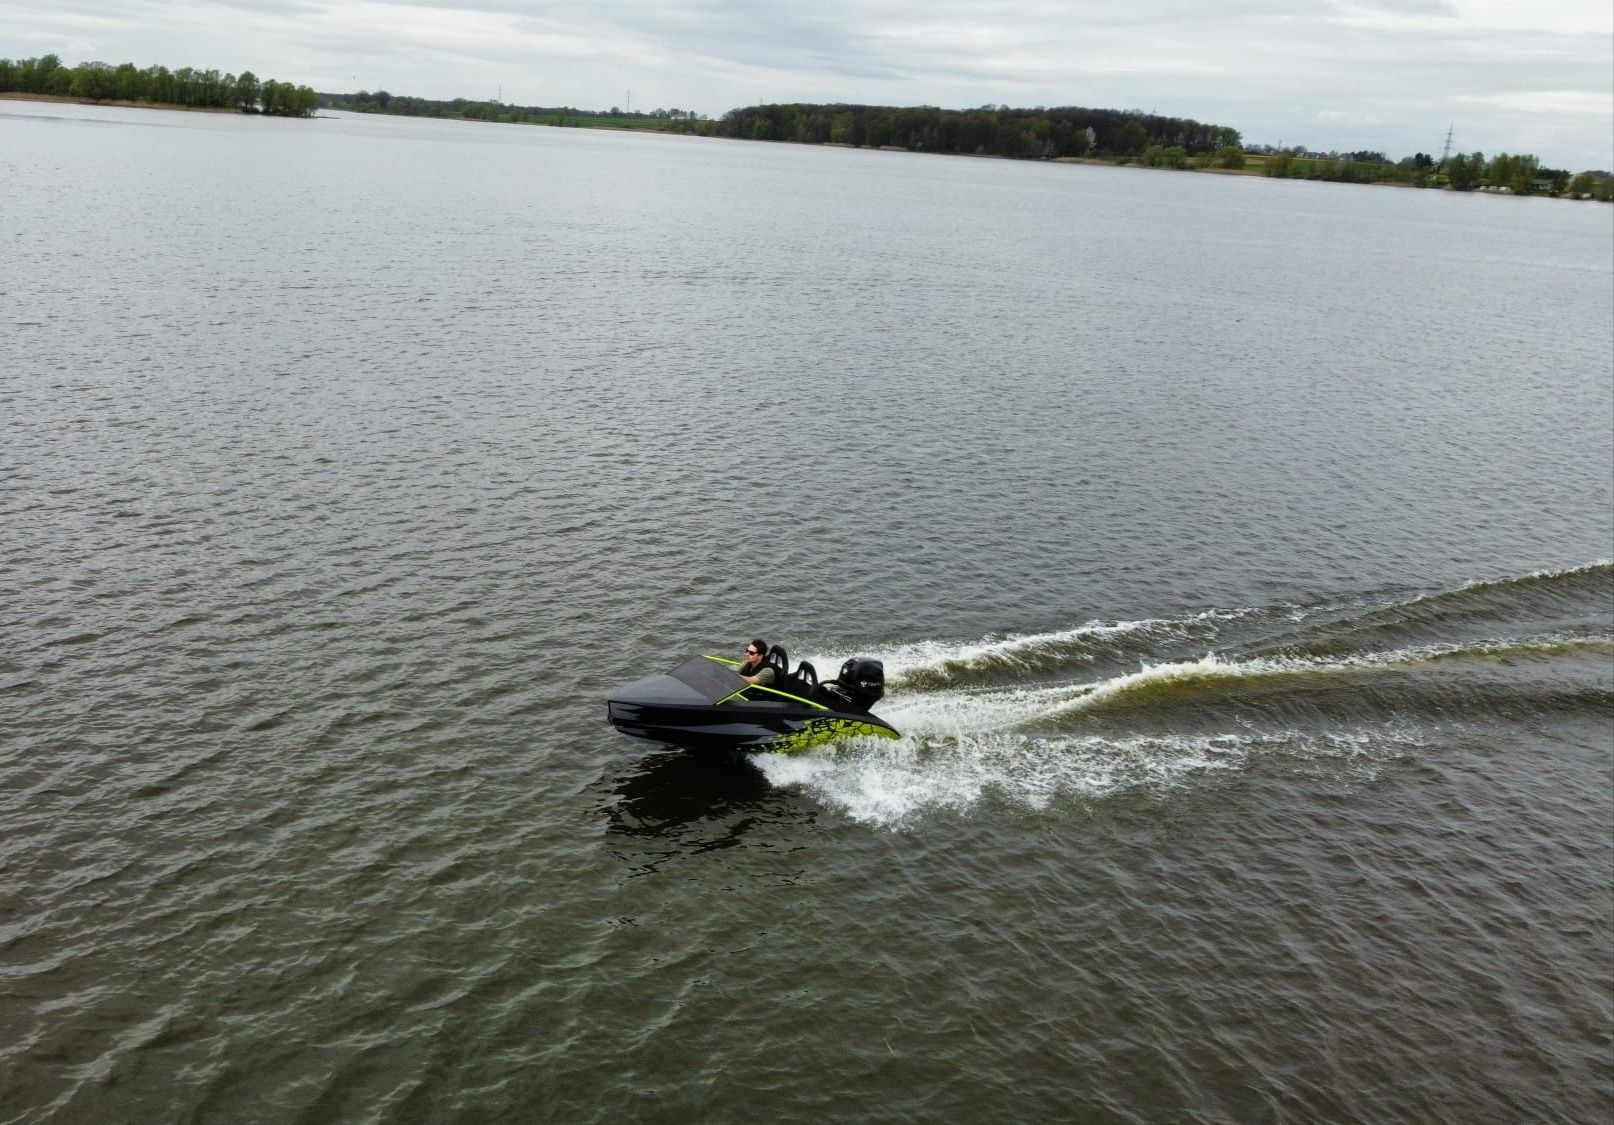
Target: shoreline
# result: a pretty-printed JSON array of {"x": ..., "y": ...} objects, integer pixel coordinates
[
  {"x": 69, "y": 99},
  {"x": 1255, "y": 166}
]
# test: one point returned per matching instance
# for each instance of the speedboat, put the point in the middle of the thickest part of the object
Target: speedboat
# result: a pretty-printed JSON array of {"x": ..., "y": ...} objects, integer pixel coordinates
[{"x": 704, "y": 704}]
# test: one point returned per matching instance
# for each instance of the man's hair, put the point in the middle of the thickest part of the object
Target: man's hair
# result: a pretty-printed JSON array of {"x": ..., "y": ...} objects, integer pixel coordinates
[{"x": 761, "y": 646}]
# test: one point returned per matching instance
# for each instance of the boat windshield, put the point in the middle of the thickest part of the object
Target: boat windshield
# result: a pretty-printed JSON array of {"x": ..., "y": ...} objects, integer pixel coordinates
[{"x": 708, "y": 679}]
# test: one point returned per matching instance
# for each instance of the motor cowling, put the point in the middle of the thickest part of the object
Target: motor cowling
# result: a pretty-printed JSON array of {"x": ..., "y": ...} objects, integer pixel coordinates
[{"x": 863, "y": 677}]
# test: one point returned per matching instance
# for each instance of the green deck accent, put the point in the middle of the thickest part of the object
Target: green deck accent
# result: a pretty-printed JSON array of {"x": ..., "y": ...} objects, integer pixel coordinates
[{"x": 820, "y": 732}]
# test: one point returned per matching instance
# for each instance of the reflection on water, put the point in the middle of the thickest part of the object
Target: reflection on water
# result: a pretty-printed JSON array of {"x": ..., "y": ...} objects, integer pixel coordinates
[{"x": 674, "y": 802}]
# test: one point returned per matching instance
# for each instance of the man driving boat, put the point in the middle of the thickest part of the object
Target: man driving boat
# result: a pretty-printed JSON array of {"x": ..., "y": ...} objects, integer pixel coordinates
[{"x": 756, "y": 670}]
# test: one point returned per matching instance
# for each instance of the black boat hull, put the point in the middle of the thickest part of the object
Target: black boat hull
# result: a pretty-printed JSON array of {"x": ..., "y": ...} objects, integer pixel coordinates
[
  {"x": 753, "y": 726},
  {"x": 704, "y": 705}
]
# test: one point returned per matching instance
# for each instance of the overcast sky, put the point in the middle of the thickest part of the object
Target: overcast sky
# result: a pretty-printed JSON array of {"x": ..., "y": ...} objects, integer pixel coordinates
[{"x": 1510, "y": 75}]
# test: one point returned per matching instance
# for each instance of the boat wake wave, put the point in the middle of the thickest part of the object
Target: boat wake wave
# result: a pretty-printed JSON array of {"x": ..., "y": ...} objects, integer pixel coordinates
[
  {"x": 931, "y": 665},
  {"x": 1154, "y": 704}
]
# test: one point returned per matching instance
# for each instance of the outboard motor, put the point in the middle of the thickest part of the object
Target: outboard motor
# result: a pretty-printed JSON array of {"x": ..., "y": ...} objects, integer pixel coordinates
[{"x": 863, "y": 678}]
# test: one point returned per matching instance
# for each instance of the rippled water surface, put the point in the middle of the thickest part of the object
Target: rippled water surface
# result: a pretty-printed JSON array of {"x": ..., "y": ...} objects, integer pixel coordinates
[{"x": 1238, "y": 552}]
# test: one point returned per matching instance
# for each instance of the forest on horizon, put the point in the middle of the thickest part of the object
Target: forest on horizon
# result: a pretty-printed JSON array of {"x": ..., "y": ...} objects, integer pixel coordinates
[
  {"x": 185, "y": 87},
  {"x": 1039, "y": 133}
]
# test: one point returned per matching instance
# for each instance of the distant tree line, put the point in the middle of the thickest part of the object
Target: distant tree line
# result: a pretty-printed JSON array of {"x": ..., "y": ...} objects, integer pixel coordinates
[
  {"x": 1521, "y": 174},
  {"x": 1347, "y": 168},
  {"x": 1124, "y": 136},
  {"x": 380, "y": 101},
  {"x": 1038, "y": 134},
  {"x": 1516, "y": 174},
  {"x": 1131, "y": 136},
  {"x": 157, "y": 85}
]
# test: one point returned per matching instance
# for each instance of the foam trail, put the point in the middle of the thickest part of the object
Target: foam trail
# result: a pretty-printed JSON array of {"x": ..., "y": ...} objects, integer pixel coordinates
[
  {"x": 1541, "y": 575},
  {"x": 964, "y": 712},
  {"x": 940, "y": 663},
  {"x": 893, "y": 785},
  {"x": 965, "y": 747},
  {"x": 976, "y": 712},
  {"x": 1213, "y": 670},
  {"x": 923, "y": 665}
]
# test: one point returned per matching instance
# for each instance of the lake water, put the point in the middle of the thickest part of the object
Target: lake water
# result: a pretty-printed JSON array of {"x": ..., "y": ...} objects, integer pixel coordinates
[{"x": 1238, "y": 551}]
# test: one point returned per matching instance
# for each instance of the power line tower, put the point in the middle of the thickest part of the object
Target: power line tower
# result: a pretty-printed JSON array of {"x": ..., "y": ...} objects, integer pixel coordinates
[{"x": 1445, "y": 152}]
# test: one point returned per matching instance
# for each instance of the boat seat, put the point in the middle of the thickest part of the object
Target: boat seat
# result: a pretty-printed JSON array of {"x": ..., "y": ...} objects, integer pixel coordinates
[
  {"x": 779, "y": 661},
  {"x": 803, "y": 681}
]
